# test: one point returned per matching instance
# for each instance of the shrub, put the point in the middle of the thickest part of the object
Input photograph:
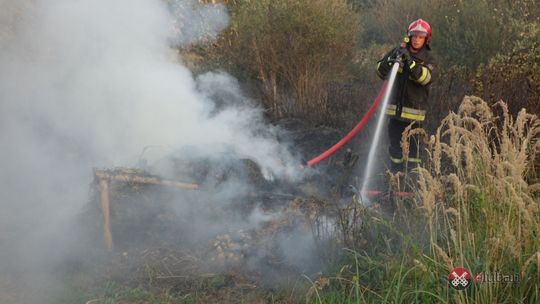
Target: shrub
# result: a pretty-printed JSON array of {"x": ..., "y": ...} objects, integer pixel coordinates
[
  {"x": 513, "y": 75},
  {"x": 465, "y": 33},
  {"x": 295, "y": 48}
]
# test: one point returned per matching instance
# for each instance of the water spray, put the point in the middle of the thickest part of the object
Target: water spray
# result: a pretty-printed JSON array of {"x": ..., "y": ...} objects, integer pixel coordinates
[{"x": 375, "y": 143}]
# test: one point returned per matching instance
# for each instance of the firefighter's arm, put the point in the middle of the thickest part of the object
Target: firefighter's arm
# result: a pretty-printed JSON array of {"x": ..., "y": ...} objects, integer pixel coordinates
[
  {"x": 422, "y": 73},
  {"x": 384, "y": 65},
  {"x": 382, "y": 68}
]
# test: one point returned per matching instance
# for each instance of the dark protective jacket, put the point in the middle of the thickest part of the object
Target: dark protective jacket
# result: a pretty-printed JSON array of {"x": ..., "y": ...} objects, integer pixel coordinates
[{"x": 411, "y": 90}]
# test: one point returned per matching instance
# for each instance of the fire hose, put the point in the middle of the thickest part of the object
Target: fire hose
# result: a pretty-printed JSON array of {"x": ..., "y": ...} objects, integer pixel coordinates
[{"x": 353, "y": 132}]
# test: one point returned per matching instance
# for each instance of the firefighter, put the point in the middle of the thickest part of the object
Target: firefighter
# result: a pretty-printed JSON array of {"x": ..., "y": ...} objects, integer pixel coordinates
[{"x": 409, "y": 98}]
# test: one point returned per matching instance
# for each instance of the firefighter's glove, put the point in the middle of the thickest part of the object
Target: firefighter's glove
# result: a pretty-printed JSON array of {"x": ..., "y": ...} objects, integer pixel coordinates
[
  {"x": 411, "y": 64},
  {"x": 401, "y": 56},
  {"x": 394, "y": 57},
  {"x": 406, "y": 57}
]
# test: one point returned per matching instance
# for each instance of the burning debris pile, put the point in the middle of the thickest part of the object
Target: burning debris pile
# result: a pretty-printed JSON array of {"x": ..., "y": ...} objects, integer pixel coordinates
[{"x": 208, "y": 217}]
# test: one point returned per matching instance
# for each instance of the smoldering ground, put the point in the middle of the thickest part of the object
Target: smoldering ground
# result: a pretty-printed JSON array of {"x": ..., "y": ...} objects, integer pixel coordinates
[{"x": 87, "y": 84}]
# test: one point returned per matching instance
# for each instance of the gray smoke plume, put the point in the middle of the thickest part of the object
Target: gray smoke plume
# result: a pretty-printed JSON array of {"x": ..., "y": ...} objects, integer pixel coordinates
[{"x": 90, "y": 83}]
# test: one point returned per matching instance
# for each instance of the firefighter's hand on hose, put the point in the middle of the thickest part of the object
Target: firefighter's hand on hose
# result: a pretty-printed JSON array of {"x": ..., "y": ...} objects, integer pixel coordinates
[
  {"x": 406, "y": 56},
  {"x": 399, "y": 55},
  {"x": 403, "y": 57},
  {"x": 393, "y": 57}
]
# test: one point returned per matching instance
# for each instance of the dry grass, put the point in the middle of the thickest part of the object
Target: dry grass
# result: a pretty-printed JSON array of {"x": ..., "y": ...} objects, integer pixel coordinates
[
  {"x": 476, "y": 205},
  {"x": 480, "y": 195}
]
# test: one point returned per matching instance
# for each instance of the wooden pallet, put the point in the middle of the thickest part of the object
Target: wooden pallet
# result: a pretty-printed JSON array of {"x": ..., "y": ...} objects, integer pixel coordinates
[{"x": 104, "y": 177}]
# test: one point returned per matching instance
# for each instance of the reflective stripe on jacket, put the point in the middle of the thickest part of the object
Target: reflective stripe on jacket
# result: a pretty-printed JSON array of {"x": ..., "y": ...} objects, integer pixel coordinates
[{"x": 407, "y": 114}]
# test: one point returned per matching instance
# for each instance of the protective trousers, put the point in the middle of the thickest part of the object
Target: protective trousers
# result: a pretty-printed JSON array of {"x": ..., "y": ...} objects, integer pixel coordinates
[{"x": 395, "y": 131}]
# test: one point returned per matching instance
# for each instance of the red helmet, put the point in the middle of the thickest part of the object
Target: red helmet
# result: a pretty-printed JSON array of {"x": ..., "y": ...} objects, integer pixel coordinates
[{"x": 419, "y": 27}]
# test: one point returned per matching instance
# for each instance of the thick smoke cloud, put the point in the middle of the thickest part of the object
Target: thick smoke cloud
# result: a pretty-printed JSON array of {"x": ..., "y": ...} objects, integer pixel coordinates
[{"x": 90, "y": 83}]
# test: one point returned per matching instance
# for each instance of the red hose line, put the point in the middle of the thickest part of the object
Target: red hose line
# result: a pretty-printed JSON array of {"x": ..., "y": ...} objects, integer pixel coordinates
[{"x": 353, "y": 132}]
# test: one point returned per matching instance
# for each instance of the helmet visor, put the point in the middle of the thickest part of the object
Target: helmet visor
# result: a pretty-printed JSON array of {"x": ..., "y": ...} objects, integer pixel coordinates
[{"x": 417, "y": 33}]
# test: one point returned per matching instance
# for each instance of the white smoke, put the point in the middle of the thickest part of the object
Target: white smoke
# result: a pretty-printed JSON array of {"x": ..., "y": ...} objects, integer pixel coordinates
[
  {"x": 193, "y": 22},
  {"x": 90, "y": 83}
]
